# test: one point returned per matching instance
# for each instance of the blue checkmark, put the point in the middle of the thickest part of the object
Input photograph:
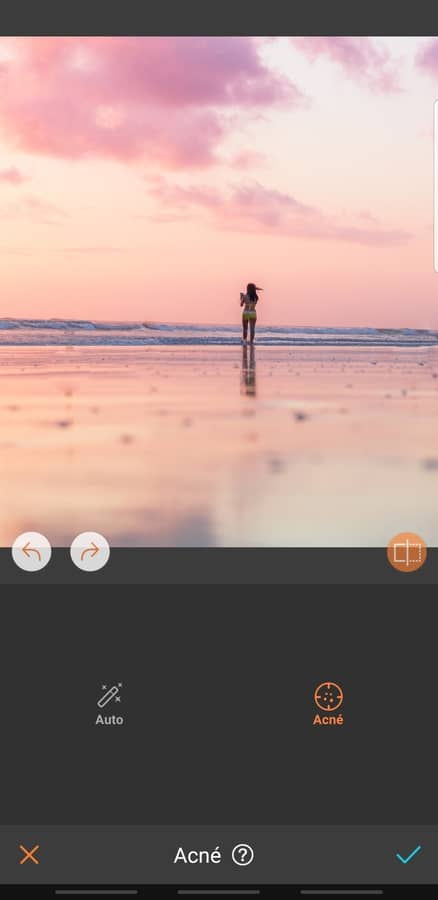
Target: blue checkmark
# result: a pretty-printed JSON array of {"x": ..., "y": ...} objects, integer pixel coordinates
[{"x": 406, "y": 859}]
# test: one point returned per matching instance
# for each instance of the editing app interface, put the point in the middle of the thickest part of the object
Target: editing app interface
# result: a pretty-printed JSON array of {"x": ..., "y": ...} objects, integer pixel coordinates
[{"x": 219, "y": 335}]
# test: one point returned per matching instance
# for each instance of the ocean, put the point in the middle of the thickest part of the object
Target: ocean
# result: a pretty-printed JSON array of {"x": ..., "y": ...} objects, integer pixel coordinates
[{"x": 59, "y": 332}]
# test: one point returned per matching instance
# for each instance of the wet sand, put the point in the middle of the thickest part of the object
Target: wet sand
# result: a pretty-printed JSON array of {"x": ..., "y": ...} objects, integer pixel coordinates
[{"x": 219, "y": 446}]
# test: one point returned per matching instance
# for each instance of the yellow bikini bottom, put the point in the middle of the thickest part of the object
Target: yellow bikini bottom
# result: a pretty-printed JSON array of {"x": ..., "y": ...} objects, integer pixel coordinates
[{"x": 249, "y": 314}]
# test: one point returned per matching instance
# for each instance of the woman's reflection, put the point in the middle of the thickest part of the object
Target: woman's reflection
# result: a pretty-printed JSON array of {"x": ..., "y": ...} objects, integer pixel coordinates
[{"x": 248, "y": 376}]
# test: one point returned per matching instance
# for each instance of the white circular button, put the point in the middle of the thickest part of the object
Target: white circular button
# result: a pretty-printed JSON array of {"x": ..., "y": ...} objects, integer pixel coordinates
[
  {"x": 242, "y": 854},
  {"x": 31, "y": 551},
  {"x": 90, "y": 551}
]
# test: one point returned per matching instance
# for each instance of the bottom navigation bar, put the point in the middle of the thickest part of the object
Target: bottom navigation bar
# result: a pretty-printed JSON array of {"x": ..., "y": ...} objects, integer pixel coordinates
[{"x": 215, "y": 856}]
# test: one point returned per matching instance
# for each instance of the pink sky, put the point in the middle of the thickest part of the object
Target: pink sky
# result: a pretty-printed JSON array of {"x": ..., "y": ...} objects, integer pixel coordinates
[{"x": 151, "y": 178}]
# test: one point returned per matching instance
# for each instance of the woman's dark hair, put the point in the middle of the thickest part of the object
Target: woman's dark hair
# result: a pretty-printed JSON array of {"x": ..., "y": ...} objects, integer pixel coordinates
[{"x": 251, "y": 291}]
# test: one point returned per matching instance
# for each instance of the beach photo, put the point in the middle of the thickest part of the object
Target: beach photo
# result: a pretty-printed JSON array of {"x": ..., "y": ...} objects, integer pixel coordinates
[{"x": 218, "y": 307}]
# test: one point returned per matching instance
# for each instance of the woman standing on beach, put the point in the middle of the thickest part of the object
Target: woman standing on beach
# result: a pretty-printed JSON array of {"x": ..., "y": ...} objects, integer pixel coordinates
[{"x": 249, "y": 314}]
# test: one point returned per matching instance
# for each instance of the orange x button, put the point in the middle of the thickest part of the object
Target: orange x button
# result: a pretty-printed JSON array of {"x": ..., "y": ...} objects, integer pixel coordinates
[{"x": 29, "y": 854}]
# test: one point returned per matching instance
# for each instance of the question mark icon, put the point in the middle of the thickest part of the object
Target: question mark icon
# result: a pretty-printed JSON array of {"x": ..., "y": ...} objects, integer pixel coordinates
[{"x": 242, "y": 854}]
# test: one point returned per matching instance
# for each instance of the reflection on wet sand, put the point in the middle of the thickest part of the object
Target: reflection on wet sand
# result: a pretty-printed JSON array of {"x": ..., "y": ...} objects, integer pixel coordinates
[
  {"x": 248, "y": 382},
  {"x": 174, "y": 446}
]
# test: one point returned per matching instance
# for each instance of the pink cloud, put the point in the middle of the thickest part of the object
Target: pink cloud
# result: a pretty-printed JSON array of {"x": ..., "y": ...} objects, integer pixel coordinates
[
  {"x": 254, "y": 208},
  {"x": 12, "y": 176},
  {"x": 107, "y": 249},
  {"x": 37, "y": 206},
  {"x": 361, "y": 58},
  {"x": 175, "y": 196},
  {"x": 248, "y": 159},
  {"x": 427, "y": 57},
  {"x": 33, "y": 209},
  {"x": 168, "y": 99}
]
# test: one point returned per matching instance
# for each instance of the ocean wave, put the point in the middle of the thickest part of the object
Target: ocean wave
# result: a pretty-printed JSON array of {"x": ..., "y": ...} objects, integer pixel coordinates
[
  {"x": 84, "y": 332},
  {"x": 68, "y": 325}
]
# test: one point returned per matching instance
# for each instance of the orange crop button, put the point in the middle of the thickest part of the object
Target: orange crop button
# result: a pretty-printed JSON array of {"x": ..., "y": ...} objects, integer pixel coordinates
[{"x": 407, "y": 552}]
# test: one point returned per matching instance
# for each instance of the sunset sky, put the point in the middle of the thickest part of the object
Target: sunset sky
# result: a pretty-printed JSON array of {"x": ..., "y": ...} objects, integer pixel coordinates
[{"x": 151, "y": 178}]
